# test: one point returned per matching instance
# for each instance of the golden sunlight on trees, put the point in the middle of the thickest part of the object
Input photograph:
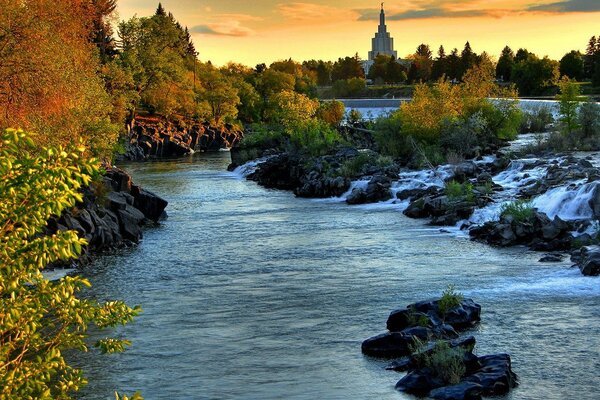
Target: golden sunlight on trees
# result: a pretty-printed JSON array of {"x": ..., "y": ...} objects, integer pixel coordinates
[{"x": 48, "y": 74}]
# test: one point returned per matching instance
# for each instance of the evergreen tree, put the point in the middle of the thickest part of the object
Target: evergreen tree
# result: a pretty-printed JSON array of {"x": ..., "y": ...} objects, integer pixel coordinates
[
  {"x": 453, "y": 66},
  {"x": 160, "y": 10},
  {"x": 440, "y": 65},
  {"x": 467, "y": 59},
  {"x": 505, "y": 64}
]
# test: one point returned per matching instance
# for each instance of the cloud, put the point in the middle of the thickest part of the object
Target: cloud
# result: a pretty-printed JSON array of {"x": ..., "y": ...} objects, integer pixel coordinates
[
  {"x": 568, "y": 6},
  {"x": 313, "y": 12},
  {"x": 234, "y": 28},
  {"x": 428, "y": 13},
  {"x": 227, "y": 25}
]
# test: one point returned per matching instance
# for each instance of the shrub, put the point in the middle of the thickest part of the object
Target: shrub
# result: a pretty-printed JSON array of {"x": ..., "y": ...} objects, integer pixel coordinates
[
  {"x": 314, "y": 137},
  {"x": 569, "y": 100},
  {"x": 354, "y": 116},
  {"x": 331, "y": 112},
  {"x": 462, "y": 136},
  {"x": 390, "y": 138},
  {"x": 589, "y": 119},
  {"x": 460, "y": 191},
  {"x": 289, "y": 108},
  {"x": 39, "y": 320},
  {"x": 520, "y": 211},
  {"x": 450, "y": 299},
  {"x": 263, "y": 136},
  {"x": 536, "y": 120},
  {"x": 445, "y": 362},
  {"x": 356, "y": 166}
]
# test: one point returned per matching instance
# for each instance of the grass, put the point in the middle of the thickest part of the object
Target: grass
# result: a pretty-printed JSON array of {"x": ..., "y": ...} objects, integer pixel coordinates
[
  {"x": 444, "y": 361},
  {"x": 450, "y": 299},
  {"x": 355, "y": 167},
  {"x": 521, "y": 211},
  {"x": 457, "y": 192}
]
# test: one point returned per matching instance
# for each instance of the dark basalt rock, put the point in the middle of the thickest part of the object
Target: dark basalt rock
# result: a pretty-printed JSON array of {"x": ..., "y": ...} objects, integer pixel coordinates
[
  {"x": 465, "y": 316},
  {"x": 388, "y": 345},
  {"x": 551, "y": 258},
  {"x": 378, "y": 189},
  {"x": 461, "y": 391},
  {"x": 495, "y": 376},
  {"x": 419, "y": 382},
  {"x": 588, "y": 260}
]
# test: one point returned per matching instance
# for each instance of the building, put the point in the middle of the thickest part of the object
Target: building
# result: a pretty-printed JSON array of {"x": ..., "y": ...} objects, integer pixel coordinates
[{"x": 382, "y": 43}]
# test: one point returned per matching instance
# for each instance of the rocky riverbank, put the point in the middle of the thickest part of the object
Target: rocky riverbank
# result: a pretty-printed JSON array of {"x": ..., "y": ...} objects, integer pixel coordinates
[
  {"x": 549, "y": 203},
  {"x": 112, "y": 214},
  {"x": 155, "y": 137}
]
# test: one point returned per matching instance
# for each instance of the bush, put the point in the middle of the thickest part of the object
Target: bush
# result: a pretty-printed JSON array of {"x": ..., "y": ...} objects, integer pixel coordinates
[
  {"x": 264, "y": 137},
  {"x": 40, "y": 320},
  {"x": 536, "y": 120},
  {"x": 356, "y": 167},
  {"x": 457, "y": 192},
  {"x": 314, "y": 137},
  {"x": 589, "y": 119},
  {"x": 445, "y": 362},
  {"x": 390, "y": 138},
  {"x": 331, "y": 112},
  {"x": 462, "y": 136},
  {"x": 450, "y": 299},
  {"x": 349, "y": 88},
  {"x": 520, "y": 211},
  {"x": 354, "y": 116}
]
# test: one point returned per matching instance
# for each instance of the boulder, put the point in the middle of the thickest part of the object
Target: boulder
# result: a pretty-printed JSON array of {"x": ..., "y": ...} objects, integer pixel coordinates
[
  {"x": 495, "y": 376},
  {"x": 388, "y": 345},
  {"x": 130, "y": 222},
  {"x": 419, "y": 382},
  {"x": 588, "y": 260},
  {"x": 461, "y": 391},
  {"x": 151, "y": 205}
]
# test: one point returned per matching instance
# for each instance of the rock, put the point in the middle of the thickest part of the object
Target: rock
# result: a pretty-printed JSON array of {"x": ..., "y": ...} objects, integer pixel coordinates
[
  {"x": 495, "y": 376},
  {"x": 151, "y": 205},
  {"x": 120, "y": 180},
  {"x": 461, "y": 391},
  {"x": 551, "y": 258},
  {"x": 417, "y": 193},
  {"x": 594, "y": 202},
  {"x": 419, "y": 382},
  {"x": 388, "y": 345},
  {"x": 357, "y": 196},
  {"x": 130, "y": 221},
  {"x": 588, "y": 260}
]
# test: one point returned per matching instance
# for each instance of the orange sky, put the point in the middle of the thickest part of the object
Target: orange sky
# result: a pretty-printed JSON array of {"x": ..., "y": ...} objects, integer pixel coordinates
[{"x": 255, "y": 31}]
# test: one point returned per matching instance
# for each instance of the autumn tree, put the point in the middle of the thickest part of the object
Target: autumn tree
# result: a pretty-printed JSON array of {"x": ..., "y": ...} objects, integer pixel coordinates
[
  {"x": 48, "y": 74},
  {"x": 219, "y": 98},
  {"x": 347, "y": 68}
]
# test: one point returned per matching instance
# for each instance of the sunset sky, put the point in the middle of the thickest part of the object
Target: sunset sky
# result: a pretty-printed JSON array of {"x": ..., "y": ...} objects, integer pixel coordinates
[{"x": 255, "y": 31}]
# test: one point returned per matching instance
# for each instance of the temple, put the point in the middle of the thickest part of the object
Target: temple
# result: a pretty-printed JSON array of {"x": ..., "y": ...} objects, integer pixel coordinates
[{"x": 382, "y": 43}]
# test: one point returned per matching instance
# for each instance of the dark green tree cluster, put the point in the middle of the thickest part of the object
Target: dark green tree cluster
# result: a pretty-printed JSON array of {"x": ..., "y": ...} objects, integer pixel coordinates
[
  {"x": 386, "y": 69},
  {"x": 592, "y": 61},
  {"x": 453, "y": 66}
]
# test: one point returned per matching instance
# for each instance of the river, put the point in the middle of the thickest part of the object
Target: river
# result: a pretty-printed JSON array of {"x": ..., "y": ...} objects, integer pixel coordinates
[{"x": 252, "y": 293}]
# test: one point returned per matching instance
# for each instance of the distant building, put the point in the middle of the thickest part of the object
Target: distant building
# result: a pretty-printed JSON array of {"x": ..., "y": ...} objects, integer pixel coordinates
[{"x": 382, "y": 43}]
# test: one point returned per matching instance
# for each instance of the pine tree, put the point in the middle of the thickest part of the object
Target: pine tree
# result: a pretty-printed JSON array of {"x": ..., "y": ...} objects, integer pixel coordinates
[
  {"x": 505, "y": 64},
  {"x": 160, "y": 10}
]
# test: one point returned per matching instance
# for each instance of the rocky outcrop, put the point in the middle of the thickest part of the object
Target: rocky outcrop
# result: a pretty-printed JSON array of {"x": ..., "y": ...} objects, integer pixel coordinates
[
  {"x": 424, "y": 341},
  {"x": 537, "y": 231},
  {"x": 159, "y": 138},
  {"x": 112, "y": 213},
  {"x": 378, "y": 189},
  {"x": 425, "y": 321}
]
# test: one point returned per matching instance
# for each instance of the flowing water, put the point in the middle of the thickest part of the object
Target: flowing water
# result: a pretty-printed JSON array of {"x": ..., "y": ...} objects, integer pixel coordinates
[{"x": 251, "y": 293}]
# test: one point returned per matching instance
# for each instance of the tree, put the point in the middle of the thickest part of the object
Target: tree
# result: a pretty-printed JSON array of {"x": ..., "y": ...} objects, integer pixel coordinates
[
  {"x": 347, "y": 68},
  {"x": 290, "y": 108},
  {"x": 420, "y": 69},
  {"x": 331, "y": 112},
  {"x": 440, "y": 65},
  {"x": 453, "y": 70},
  {"x": 467, "y": 59},
  {"x": 39, "y": 320},
  {"x": 590, "y": 57},
  {"x": 48, "y": 74},
  {"x": 505, "y": 64},
  {"x": 571, "y": 65},
  {"x": 219, "y": 97},
  {"x": 569, "y": 100},
  {"x": 534, "y": 75}
]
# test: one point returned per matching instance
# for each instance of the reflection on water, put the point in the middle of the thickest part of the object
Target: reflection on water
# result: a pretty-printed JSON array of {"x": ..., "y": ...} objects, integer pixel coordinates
[{"x": 252, "y": 293}]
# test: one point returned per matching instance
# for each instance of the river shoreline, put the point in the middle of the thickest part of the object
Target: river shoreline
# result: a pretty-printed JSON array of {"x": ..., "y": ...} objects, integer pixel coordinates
[{"x": 561, "y": 191}]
